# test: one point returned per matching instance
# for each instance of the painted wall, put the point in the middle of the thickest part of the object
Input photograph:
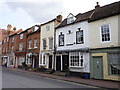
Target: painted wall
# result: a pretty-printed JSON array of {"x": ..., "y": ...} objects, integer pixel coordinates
[
  {"x": 94, "y": 32},
  {"x": 119, "y": 30},
  {"x": 71, "y": 38},
  {"x": 46, "y": 34}
]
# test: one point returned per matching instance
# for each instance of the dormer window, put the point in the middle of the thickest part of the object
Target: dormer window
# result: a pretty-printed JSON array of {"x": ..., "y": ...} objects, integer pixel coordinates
[
  {"x": 70, "y": 19},
  {"x": 35, "y": 28},
  {"x": 21, "y": 36}
]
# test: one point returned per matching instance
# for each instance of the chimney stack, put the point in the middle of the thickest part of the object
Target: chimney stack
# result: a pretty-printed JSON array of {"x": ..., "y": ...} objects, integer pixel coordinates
[
  {"x": 59, "y": 18},
  {"x": 97, "y": 6},
  {"x": 9, "y": 27},
  {"x": 14, "y": 29}
]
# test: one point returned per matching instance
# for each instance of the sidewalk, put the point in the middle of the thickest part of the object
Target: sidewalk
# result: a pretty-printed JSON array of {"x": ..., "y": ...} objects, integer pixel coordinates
[{"x": 92, "y": 82}]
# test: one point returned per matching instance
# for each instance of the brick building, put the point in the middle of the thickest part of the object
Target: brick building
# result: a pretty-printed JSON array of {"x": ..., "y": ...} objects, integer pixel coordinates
[
  {"x": 33, "y": 46},
  {"x": 20, "y": 53}
]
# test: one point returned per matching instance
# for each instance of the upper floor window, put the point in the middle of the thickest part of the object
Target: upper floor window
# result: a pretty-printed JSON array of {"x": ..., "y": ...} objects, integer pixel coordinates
[
  {"x": 21, "y": 36},
  {"x": 30, "y": 44},
  {"x": 44, "y": 44},
  {"x": 50, "y": 43},
  {"x": 20, "y": 46},
  {"x": 61, "y": 40},
  {"x": 12, "y": 48},
  {"x": 35, "y": 43},
  {"x": 79, "y": 37},
  {"x": 12, "y": 39},
  {"x": 7, "y": 39},
  {"x": 4, "y": 40},
  {"x": 47, "y": 28},
  {"x": 0, "y": 42},
  {"x": 105, "y": 33}
]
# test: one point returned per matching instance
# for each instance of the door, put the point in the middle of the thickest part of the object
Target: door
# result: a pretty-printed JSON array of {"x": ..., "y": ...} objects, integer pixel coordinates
[
  {"x": 65, "y": 62},
  {"x": 97, "y": 67},
  {"x": 58, "y": 63},
  {"x": 50, "y": 61}
]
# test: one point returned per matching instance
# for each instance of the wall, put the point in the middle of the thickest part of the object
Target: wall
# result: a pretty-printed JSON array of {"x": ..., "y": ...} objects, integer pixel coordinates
[
  {"x": 119, "y": 30},
  {"x": 94, "y": 32},
  {"x": 34, "y": 35},
  {"x": 47, "y": 34},
  {"x": 74, "y": 27}
]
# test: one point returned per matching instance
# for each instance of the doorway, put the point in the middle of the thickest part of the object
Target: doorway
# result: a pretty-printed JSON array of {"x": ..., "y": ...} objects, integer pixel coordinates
[
  {"x": 97, "y": 67},
  {"x": 65, "y": 62},
  {"x": 50, "y": 62},
  {"x": 58, "y": 63}
]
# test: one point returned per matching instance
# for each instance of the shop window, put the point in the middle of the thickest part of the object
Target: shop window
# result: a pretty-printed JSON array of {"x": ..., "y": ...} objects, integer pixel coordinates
[{"x": 114, "y": 63}]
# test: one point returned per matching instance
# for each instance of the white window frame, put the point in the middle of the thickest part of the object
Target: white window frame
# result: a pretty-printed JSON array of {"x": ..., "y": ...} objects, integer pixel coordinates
[
  {"x": 43, "y": 59},
  {"x": 80, "y": 42},
  {"x": 30, "y": 44},
  {"x": 101, "y": 33},
  {"x": 35, "y": 43},
  {"x": 44, "y": 41},
  {"x": 80, "y": 54},
  {"x": 12, "y": 48},
  {"x": 51, "y": 43},
  {"x": 20, "y": 46},
  {"x": 13, "y": 39},
  {"x": 61, "y": 39},
  {"x": 48, "y": 28},
  {"x": 21, "y": 36}
]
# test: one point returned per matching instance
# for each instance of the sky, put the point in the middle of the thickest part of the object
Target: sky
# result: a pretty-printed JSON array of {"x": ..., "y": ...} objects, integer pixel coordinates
[{"x": 23, "y": 14}]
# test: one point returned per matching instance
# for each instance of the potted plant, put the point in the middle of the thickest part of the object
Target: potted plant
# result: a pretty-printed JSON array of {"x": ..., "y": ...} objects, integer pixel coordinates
[
  {"x": 67, "y": 72},
  {"x": 24, "y": 65}
]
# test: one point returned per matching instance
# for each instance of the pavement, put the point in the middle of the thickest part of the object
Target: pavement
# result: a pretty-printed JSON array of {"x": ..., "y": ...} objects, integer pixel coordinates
[{"x": 92, "y": 82}]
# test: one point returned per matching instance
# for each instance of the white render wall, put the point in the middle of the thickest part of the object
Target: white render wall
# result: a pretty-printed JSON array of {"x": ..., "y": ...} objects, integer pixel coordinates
[{"x": 72, "y": 38}]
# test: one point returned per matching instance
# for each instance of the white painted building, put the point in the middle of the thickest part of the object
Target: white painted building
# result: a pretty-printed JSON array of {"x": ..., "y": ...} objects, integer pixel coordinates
[{"x": 72, "y": 44}]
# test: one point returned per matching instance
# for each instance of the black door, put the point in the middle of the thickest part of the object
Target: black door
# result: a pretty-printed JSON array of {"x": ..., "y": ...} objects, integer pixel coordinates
[
  {"x": 50, "y": 61},
  {"x": 58, "y": 63},
  {"x": 65, "y": 62}
]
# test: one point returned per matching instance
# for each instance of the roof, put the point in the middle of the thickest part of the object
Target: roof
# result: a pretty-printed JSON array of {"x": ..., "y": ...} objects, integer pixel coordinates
[
  {"x": 49, "y": 21},
  {"x": 95, "y": 14},
  {"x": 106, "y": 11},
  {"x": 79, "y": 17}
]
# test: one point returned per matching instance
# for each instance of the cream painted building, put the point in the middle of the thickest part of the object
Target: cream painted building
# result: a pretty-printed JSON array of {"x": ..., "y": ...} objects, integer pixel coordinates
[
  {"x": 104, "y": 34},
  {"x": 46, "y": 59}
]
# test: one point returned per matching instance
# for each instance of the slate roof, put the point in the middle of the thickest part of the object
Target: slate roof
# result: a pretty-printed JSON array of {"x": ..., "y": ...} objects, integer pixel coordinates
[
  {"x": 95, "y": 14},
  {"x": 106, "y": 11}
]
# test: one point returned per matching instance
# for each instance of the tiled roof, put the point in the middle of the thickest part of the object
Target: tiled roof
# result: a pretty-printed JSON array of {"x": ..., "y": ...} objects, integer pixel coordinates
[
  {"x": 79, "y": 17},
  {"x": 106, "y": 11},
  {"x": 95, "y": 14}
]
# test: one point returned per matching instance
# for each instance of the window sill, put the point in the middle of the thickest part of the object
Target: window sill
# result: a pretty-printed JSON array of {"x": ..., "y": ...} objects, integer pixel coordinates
[
  {"x": 29, "y": 48},
  {"x": 76, "y": 67},
  {"x": 35, "y": 47}
]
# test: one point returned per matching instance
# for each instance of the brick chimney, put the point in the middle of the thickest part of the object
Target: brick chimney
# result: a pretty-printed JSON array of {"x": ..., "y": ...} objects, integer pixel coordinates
[
  {"x": 9, "y": 27},
  {"x": 59, "y": 18},
  {"x": 14, "y": 29}
]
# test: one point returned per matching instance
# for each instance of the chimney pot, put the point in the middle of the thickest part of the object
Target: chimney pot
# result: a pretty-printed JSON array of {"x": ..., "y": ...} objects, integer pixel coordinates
[{"x": 97, "y": 6}]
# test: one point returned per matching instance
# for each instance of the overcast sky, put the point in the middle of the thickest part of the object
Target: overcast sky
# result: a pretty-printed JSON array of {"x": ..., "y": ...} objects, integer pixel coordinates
[{"x": 23, "y": 14}]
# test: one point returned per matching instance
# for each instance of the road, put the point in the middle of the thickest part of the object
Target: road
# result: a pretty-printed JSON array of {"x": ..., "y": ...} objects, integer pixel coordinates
[{"x": 12, "y": 79}]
